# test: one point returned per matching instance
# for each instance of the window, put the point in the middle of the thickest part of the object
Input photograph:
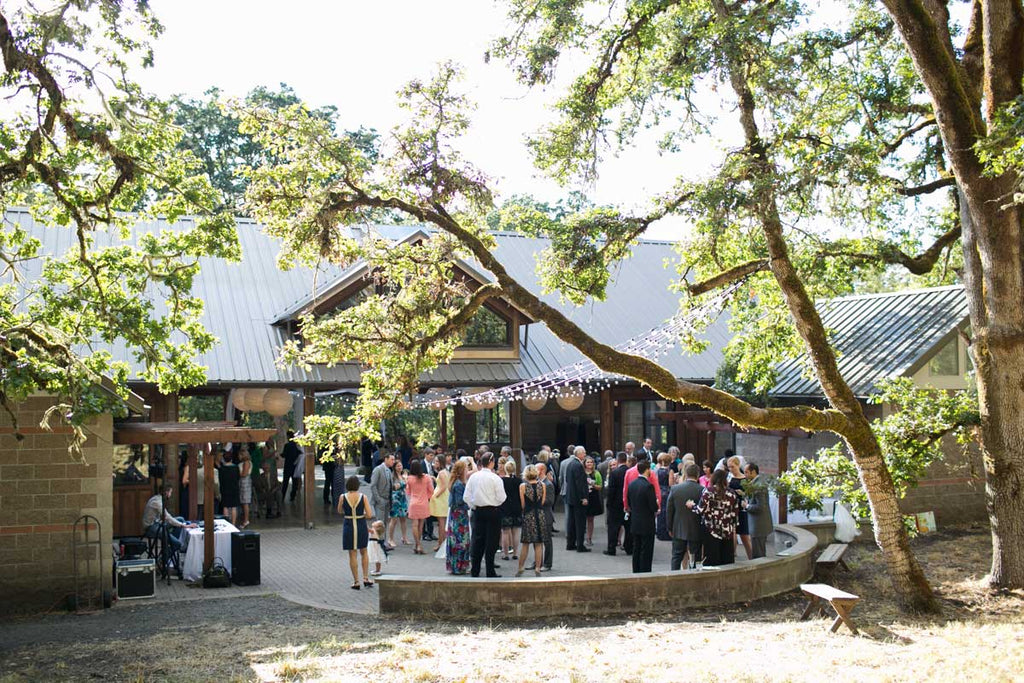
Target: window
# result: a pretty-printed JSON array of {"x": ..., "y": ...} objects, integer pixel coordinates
[
  {"x": 492, "y": 425},
  {"x": 638, "y": 422},
  {"x": 487, "y": 329},
  {"x": 946, "y": 363}
]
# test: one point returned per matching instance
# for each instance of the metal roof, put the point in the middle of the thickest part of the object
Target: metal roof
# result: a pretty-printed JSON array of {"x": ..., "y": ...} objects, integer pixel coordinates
[
  {"x": 879, "y": 336},
  {"x": 242, "y": 301}
]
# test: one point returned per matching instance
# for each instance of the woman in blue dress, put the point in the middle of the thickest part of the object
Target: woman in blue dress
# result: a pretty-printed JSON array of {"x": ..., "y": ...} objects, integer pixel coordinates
[
  {"x": 355, "y": 510},
  {"x": 457, "y": 554}
]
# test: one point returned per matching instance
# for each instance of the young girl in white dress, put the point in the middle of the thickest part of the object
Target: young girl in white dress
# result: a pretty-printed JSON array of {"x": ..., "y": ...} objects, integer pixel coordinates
[{"x": 376, "y": 551}]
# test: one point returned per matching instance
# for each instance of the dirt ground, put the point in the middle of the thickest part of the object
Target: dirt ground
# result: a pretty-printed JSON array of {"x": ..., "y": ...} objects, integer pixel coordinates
[{"x": 978, "y": 637}]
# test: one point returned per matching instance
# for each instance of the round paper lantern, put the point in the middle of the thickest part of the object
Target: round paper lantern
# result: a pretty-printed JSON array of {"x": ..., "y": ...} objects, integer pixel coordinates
[
  {"x": 569, "y": 401},
  {"x": 277, "y": 402},
  {"x": 470, "y": 401},
  {"x": 535, "y": 402},
  {"x": 238, "y": 399},
  {"x": 254, "y": 399}
]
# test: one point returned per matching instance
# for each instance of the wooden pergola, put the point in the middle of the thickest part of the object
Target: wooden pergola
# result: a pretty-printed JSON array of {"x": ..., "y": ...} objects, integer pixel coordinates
[
  {"x": 195, "y": 435},
  {"x": 710, "y": 423}
]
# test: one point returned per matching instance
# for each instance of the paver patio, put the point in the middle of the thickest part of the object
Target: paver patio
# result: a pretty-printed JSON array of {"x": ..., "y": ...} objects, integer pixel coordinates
[{"x": 310, "y": 568}]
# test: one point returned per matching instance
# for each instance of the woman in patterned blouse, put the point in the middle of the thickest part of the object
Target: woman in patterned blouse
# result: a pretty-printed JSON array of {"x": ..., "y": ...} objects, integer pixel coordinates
[{"x": 718, "y": 509}]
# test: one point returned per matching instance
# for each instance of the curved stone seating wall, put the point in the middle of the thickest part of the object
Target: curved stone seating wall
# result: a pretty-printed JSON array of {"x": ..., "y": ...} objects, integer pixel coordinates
[{"x": 459, "y": 596}]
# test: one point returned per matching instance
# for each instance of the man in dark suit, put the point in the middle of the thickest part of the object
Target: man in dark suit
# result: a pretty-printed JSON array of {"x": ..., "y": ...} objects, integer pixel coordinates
[
  {"x": 759, "y": 511},
  {"x": 616, "y": 477},
  {"x": 647, "y": 450},
  {"x": 643, "y": 509},
  {"x": 576, "y": 501},
  {"x": 683, "y": 523}
]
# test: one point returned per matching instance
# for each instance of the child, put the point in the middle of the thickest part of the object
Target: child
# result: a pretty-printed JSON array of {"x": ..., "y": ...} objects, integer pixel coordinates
[{"x": 377, "y": 550}]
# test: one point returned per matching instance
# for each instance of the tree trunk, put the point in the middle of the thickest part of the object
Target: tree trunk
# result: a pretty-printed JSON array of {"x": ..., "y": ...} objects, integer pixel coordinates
[
  {"x": 912, "y": 588},
  {"x": 995, "y": 289},
  {"x": 989, "y": 75}
]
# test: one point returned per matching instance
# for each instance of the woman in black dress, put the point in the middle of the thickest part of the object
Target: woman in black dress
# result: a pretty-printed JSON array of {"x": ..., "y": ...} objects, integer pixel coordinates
[
  {"x": 355, "y": 510},
  {"x": 736, "y": 480},
  {"x": 511, "y": 511},
  {"x": 230, "y": 498},
  {"x": 532, "y": 496}
]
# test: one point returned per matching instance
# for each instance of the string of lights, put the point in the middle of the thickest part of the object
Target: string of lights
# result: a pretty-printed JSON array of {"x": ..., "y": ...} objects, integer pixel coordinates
[{"x": 584, "y": 377}]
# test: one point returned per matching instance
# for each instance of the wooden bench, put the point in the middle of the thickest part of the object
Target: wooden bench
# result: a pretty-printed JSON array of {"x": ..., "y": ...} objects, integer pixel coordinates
[
  {"x": 841, "y": 601},
  {"x": 830, "y": 558}
]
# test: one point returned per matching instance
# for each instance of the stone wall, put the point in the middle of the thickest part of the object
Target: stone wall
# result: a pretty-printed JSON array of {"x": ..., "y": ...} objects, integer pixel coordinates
[
  {"x": 43, "y": 490},
  {"x": 654, "y": 593}
]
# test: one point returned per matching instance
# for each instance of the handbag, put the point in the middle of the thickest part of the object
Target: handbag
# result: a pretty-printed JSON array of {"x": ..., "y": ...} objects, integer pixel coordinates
[{"x": 217, "y": 575}]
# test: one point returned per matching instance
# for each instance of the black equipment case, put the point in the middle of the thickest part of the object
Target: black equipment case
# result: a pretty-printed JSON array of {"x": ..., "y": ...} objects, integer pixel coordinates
[{"x": 136, "y": 579}]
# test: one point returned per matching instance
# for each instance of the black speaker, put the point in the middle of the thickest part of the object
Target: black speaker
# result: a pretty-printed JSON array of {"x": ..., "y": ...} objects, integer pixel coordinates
[{"x": 245, "y": 558}]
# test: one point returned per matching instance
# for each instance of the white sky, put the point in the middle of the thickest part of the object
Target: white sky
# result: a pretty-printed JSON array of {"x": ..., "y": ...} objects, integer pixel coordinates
[{"x": 356, "y": 55}]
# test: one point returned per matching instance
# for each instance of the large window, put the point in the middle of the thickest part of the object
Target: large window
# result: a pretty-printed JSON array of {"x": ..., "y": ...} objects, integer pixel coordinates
[
  {"x": 492, "y": 425},
  {"x": 487, "y": 329},
  {"x": 638, "y": 421}
]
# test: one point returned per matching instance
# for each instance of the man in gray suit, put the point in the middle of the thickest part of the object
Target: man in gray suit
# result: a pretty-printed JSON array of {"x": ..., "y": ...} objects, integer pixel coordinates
[
  {"x": 759, "y": 511},
  {"x": 380, "y": 489},
  {"x": 683, "y": 523},
  {"x": 549, "y": 513}
]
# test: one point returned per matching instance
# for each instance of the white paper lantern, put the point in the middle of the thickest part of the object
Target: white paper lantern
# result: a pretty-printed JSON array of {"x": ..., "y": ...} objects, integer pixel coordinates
[
  {"x": 254, "y": 399},
  {"x": 535, "y": 402},
  {"x": 569, "y": 401},
  {"x": 277, "y": 402},
  {"x": 238, "y": 399}
]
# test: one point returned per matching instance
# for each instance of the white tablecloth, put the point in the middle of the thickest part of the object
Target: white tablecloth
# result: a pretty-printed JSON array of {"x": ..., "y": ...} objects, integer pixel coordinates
[{"x": 195, "y": 549}]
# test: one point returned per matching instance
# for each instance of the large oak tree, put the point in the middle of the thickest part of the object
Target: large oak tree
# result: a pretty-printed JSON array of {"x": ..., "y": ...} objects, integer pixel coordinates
[{"x": 841, "y": 132}]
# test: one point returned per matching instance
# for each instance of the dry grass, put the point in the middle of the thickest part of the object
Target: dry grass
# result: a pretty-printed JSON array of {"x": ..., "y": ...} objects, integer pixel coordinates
[{"x": 977, "y": 638}]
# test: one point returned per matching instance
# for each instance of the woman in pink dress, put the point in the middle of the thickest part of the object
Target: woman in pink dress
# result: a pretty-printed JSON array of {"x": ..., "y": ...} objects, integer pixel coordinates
[{"x": 418, "y": 489}]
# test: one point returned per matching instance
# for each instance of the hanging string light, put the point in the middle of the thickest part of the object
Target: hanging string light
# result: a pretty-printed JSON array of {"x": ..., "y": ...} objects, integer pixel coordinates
[{"x": 584, "y": 377}]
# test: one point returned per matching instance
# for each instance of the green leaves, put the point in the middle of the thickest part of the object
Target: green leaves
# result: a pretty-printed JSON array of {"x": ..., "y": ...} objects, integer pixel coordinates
[
  {"x": 911, "y": 436},
  {"x": 81, "y": 145}
]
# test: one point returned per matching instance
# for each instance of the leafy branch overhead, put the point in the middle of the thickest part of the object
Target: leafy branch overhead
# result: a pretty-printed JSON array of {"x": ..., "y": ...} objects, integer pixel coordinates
[{"x": 82, "y": 145}]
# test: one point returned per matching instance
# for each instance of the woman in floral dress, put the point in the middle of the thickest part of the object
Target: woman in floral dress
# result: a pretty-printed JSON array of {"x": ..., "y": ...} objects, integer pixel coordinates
[
  {"x": 399, "y": 503},
  {"x": 457, "y": 555},
  {"x": 718, "y": 509}
]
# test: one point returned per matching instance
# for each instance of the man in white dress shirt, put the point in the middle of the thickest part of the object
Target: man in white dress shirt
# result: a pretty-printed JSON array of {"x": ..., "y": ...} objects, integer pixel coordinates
[{"x": 484, "y": 493}]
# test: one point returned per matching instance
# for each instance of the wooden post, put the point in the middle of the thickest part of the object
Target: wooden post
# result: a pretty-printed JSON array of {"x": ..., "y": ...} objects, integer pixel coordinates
[
  {"x": 444, "y": 428},
  {"x": 208, "y": 531},
  {"x": 515, "y": 425},
  {"x": 309, "y": 480},
  {"x": 607, "y": 421},
  {"x": 171, "y": 457},
  {"x": 783, "y": 466},
  {"x": 709, "y": 445},
  {"x": 193, "y": 482}
]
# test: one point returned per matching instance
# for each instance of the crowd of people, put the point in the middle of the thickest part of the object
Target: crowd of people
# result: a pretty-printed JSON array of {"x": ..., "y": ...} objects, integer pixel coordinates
[{"x": 483, "y": 507}]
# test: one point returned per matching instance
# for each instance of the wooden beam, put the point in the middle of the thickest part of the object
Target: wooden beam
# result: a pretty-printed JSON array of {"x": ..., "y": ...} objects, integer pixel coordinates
[
  {"x": 709, "y": 445},
  {"x": 309, "y": 480},
  {"x": 168, "y": 433},
  {"x": 783, "y": 466}
]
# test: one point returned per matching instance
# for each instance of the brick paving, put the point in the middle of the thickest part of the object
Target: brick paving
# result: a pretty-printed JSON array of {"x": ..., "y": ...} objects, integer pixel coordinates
[{"x": 310, "y": 568}]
